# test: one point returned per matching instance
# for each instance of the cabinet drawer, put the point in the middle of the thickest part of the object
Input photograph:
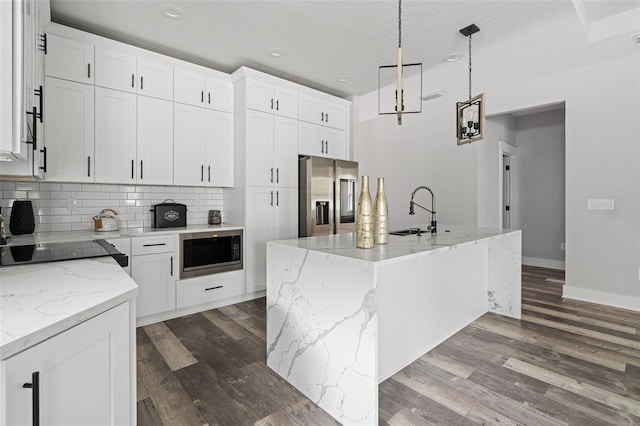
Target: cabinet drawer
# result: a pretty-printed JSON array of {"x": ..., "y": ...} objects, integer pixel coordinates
[
  {"x": 195, "y": 291},
  {"x": 150, "y": 245}
]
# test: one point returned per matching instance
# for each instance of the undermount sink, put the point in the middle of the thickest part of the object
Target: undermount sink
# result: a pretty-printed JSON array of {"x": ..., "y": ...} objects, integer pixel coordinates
[{"x": 412, "y": 231}]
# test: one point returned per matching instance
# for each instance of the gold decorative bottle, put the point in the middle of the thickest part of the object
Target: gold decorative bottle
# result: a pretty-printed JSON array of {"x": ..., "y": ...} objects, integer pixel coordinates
[
  {"x": 364, "y": 217},
  {"x": 381, "y": 215}
]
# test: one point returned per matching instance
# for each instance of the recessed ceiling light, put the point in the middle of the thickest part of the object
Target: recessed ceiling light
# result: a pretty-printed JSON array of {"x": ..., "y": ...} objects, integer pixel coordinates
[
  {"x": 344, "y": 78},
  {"x": 171, "y": 11},
  {"x": 276, "y": 52},
  {"x": 452, "y": 57},
  {"x": 636, "y": 38}
]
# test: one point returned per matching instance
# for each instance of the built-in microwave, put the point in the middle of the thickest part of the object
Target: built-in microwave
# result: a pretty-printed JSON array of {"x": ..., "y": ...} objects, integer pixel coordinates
[{"x": 204, "y": 253}]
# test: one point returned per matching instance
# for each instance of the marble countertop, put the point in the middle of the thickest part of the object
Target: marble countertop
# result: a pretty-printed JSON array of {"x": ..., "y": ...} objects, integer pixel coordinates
[
  {"x": 41, "y": 300},
  {"x": 65, "y": 236},
  {"x": 448, "y": 237}
]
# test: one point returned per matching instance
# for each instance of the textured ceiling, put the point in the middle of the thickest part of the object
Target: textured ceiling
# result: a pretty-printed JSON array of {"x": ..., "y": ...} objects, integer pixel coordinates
[
  {"x": 597, "y": 10},
  {"x": 322, "y": 40}
]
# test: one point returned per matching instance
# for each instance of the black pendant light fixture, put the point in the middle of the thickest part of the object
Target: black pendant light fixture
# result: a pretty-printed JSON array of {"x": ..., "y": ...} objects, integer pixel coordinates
[
  {"x": 400, "y": 86},
  {"x": 470, "y": 113}
]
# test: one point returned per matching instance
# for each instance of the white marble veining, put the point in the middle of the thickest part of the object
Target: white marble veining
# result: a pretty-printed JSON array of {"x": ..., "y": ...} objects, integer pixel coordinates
[
  {"x": 65, "y": 236},
  {"x": 41, "y": 300},
  {"x": 340, "y": 319}
]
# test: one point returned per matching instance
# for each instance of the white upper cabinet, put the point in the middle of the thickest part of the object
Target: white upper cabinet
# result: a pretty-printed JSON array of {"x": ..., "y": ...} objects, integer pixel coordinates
[
  {"x": 69, "y": 59},
  {"x": 259, "y": 151},
  {"x": 266, "y": 97},
  {"x": 195, "y": 86},
  {"x": 154, "y": 151},
  {"x": 69, "y": 131},
  {"x": 189, "y": 145},
  {"x": 115, "y": 136},
  {"x": 155, "y": 79},
  {"x": 219, "y": 151},
  {"x": 285, "y": 152},
  {"x": 326, "y": 111},
  {"x": 116, "y": 69},
  {"x": 320, "y": 141}
]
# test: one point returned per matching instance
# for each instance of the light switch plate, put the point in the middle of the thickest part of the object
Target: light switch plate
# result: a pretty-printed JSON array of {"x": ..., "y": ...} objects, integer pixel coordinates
[
  {"x": 600, "y": 204},
  {"x": 72, "y": 204}
]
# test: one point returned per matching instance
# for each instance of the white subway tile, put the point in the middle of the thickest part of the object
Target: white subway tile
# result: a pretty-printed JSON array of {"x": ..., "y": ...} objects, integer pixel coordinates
[
  {"x": 46, "y": 186},
  {"x": 144, "y": 203},
  {"x": 71, "y": 187},
  {"x": 127, "y": 202},
  {"x": 90, "y": 187},
  {"x": 72, "y": 219},
  {"x": 53, "y": 203},
  {"x": 42, "y": 228},
  {"x": 108, "y": 188},
  {"x": 135, "y": 195},
  {"x": 159, "y": 189},
  {"x": 135, "y": 224},
  {"x": 126, "y": 188},
  {"x": 42, "y": 211},
  {"x": 57, "y": 227},
  {"x": 8, "y": 186},
  {"x": 57, "y": 211},
  {"x": 49, "y": 219},
  {"x": 81, "y": 226},
  {"x": 14, "y": 194},
  {"x": 42, "y": 195},
  {"x": 185, "y": 189},
  {"x": 27, "y": 186},
  {"x": 117, "y": 196},
  {"x": 61, "y": 195}
]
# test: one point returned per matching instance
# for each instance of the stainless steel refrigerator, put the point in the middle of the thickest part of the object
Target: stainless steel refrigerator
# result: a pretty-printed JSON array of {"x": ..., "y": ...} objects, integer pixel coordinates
[{"x": 327, "y": 196}]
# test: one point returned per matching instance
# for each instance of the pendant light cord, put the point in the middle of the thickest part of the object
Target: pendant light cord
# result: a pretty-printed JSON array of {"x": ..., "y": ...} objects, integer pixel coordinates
[
  {"x": 470, "y": 66},
  {"x": 399, "y": 23}
]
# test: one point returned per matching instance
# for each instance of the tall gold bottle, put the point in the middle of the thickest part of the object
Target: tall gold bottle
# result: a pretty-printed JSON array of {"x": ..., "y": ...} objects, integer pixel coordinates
[
  {"x": 364, "y": 217},
  {"x": 381, "y": 215}
]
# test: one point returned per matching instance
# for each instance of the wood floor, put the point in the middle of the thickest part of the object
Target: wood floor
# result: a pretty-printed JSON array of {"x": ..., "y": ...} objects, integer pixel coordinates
[{"x": 565, "y": 363}]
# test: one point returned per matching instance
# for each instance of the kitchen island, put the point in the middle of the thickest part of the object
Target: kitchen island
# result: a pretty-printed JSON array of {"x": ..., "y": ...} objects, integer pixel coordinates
[{"x": 340, "y": 320}]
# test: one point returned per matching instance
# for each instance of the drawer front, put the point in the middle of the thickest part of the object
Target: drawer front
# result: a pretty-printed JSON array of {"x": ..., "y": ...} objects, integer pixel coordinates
[
  {"x": 195, "y": 291},
  {"x": 151, "y": 245}
]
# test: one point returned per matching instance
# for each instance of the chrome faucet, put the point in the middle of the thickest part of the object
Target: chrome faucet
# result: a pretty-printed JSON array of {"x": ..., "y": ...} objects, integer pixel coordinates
[{"x": 433, "y": 207}]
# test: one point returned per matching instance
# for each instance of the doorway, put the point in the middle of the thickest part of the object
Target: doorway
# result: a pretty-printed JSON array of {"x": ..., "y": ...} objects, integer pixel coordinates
[{"x": 508, "y": 186}]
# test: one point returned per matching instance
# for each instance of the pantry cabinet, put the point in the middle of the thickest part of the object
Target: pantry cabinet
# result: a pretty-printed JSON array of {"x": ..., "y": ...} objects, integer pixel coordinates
[
  {"x": 154, "y": 148},
  {"x": 322, "y": 141},
  {"x": 81, "y": 376},
  {"x": 69, "y": 131},
  {"x": 270, "y": 214},
  {"x": 69, "y": 59}
]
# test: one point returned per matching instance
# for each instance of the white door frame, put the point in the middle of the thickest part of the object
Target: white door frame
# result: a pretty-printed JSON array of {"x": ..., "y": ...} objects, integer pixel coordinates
[{"x": 512, "y": 152}]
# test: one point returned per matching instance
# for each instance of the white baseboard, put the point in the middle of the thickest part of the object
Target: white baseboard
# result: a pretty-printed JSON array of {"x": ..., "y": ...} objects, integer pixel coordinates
[
  {"x": 602, "y": 298},
  {"x": 543, "y": 263}
]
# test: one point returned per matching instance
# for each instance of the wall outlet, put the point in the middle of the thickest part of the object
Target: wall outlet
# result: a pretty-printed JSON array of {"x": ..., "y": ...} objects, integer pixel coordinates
[
  {"x": 562, "y": 246},
  {"x": 72, "y": 204},
  {"x": 599, "y": 204}
]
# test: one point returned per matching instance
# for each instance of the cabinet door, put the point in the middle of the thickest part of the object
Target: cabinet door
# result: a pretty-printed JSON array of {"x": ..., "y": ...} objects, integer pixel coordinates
[
  {"x": 259, "y": 95},
  {"x": 69, "y": 130},
  {"x": 188, "y": 87},
  {"x": 311, "y": 139},
  {"x": 83, "y": 375},
  {"x": 218, "y": 94},
  {"x": 115, "y": 69},
  {"x": 189, "y": 145},
  {"x": 311, "y": 109},
  {"x": 155, "y": 79},
  {"x": 259, "y": 149},
  {"x": 286, "y": 102},
  {"x": 335, "y": 115},
  {"x": 155, "y": 276},
  {"x": 219, "y": 148},
  {"x": 335, "y": 143},
  {"x": 69, "y": 59},
  {"x": 285, "y": 220},
  {"x": 259, "y": 229},
  {"x": 115, "y": 135},
  {"x": 155, "y": 141},
  {"x": 285, "y": 151}
]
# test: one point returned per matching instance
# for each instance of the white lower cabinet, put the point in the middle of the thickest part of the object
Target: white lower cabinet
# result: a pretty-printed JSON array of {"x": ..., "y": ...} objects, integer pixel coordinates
[
  {"x": 271, "y": 214},
  {"x": 209, "y": 288},
  {"x": 82, "y": 375},
  {"x": 153, "y": 268}
]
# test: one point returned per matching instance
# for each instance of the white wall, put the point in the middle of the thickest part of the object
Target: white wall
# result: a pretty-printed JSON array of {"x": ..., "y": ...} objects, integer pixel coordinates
[
  {"x": 541, "y": 185},
  {"x": 602, "y": 161}
]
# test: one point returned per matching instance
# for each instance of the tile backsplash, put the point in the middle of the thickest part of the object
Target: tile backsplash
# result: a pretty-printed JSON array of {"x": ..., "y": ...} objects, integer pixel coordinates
[{"x": 54, "y": 210}]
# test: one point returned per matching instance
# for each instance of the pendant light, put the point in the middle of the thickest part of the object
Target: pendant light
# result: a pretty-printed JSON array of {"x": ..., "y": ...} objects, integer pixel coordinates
[
  {"x": 470, "y": 113},
  {"x": 400, "y": 86}
]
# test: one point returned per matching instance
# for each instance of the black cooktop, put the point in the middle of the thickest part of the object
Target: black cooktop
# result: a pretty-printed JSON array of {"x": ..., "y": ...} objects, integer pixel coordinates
[{"x": 55, "y": 252}]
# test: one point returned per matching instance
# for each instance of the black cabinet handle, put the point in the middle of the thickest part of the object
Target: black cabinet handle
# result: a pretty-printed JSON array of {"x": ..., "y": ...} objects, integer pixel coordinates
[
  {"x": 208, "y": 173},
  {"x": 326, "y": 147},
  {"x": 44, "y": 151},
  {"x": 213, "y": 288},
  {"x": 326, "y": 117},
  {"x": 271, "y": 103},
  {"x": 277, "y": 198},
  {"x": 132, "y": 161},
  {"x": 35, "y": 397},
  {"x": 322, "y": 146},
  {"x": 154, "y": 245},
  {"x": 88, "y": 70},
  {"x": 89, "y": 166},
  {"x": 133, "y": 79},
  {"x": 40, "y": 94},
  {"x": 278, "y": 175},
  {"x": 209, "y": 98},
  {"x": 141, "y": 83},
  {"x": 278, "y": 105},
  {"x": 43, "y": 43},
  {"x": 272, "y": 175},
  {"x": 171, "y": 264},
  {"x": 322, "y": 116},
  {"x": 141, "y": 170},
  {"x": 202, "y": 96},
  {"x": 271, "y": 198},
  {"x": 202, "y": 173}
]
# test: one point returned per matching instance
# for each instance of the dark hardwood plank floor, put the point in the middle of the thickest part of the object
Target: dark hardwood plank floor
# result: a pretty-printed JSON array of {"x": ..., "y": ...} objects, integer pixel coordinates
[{"x": 565, "y": 363}]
